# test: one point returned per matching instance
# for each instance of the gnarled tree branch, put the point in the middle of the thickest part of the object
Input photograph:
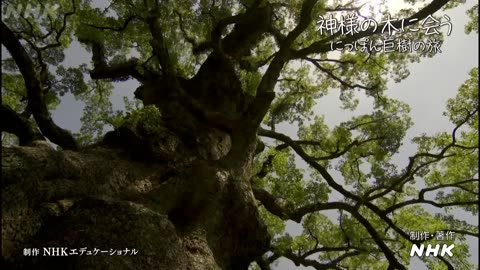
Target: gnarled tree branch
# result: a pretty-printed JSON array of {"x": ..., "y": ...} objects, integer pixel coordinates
[
  {"x": 268, "y": 201},
  {"x": 120, "y": 71},
  {"x": 36, "y": 101},
  {"x": 265, "y": 94},
  {"x": 310, "y": 161},
  {"x": 14, "y": 123}
]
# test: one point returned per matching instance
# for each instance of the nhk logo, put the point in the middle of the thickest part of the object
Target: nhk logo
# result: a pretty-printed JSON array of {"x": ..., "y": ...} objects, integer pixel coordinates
[
  {"x": 29, "y": 10},
  {"x": 432, "y": 250}
]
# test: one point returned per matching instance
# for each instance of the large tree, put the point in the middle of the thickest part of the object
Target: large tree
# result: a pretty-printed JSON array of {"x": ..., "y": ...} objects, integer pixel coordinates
[{"x": 196, "y": 176}]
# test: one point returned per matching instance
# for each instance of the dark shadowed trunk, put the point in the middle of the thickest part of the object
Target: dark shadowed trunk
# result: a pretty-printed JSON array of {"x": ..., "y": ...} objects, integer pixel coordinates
[{"x": 178, "y": 193}]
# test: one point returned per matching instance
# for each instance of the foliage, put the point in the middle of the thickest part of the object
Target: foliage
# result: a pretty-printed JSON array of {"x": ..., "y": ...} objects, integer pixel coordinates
[{"x": 374, "y": 203}]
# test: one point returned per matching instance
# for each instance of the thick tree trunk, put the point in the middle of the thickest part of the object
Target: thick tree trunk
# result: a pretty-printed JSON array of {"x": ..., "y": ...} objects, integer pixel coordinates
[
  {"x": 180, "y": 212},
  {"x": 178, "y": 193}
]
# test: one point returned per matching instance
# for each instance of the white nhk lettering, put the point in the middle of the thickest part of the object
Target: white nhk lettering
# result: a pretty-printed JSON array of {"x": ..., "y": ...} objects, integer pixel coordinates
[
  {"x": 55, "y": 251},
  {"x": 29, "y": 10},
  {"x": 431, "y": 250}
]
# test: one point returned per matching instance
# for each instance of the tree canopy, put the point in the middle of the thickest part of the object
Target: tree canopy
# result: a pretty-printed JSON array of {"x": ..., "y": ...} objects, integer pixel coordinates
[{"x": 278, "y": 61}]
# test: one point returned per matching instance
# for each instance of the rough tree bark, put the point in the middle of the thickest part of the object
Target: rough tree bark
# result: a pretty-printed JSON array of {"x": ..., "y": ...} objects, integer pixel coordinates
[
  {"x": 184, "y": 210},
  {"x": 179, "y": 194}
]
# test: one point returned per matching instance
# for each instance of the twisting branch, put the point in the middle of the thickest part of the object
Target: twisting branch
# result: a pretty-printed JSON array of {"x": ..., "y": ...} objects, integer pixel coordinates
[
  {"x": 265, "y": 93},
  {"x": 270, "y": 204},
  {"x": 300, "y": 212},
  {"x": 116, "y": 29},
  {"x": 264, "y": 62},
  {"x": 300, "y": 142},
  {"x": 349, "y": 252},
  {"x": 120, "y": 71},
  {"x": 335, "y": 77},
  {"x": 421, "y": 200},
  {"x": 14, "y": 123},
  {"x": 269, "y": 79},
  {"x": 332, "y": 183},
  {"x": 341, "y": 62},
  {"x": 31, "y": 38},
  {"x": 411, "y": 170},
  {"x": 310, "y": 161},
  {"x": 43, "y": 74},
  {"x": 36, "y": 101},
  {"x": 421, "y": 197},
  {"x": 347, "y": 148},
  {"x": 298, "y": 260},
  {"x": 455, "y": 185},
  {"x": 62, "y": 29},
  {"x": 335, "y": 154}
]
